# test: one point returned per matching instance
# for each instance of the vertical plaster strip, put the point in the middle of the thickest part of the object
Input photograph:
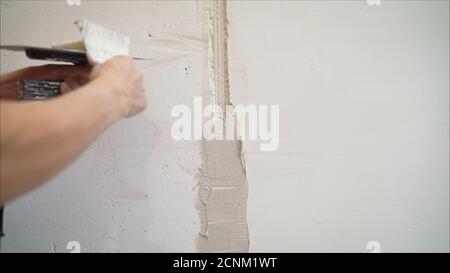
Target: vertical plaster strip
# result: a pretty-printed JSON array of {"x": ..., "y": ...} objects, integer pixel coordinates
[{"x": 222, "y": 186}]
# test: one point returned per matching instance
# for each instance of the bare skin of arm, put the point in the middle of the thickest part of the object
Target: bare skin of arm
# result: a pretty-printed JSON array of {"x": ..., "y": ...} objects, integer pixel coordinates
[{"x": 39, "y": 139}]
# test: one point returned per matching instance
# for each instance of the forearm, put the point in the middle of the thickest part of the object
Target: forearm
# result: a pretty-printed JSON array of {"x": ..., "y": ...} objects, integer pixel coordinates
[{"x": 39, "y": 139}]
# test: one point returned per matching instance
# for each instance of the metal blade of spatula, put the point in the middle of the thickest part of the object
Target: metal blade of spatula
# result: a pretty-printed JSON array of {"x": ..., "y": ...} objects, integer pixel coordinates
[
  {"x": 50, "y": 54},
  {"x": 55, "y": 54}
]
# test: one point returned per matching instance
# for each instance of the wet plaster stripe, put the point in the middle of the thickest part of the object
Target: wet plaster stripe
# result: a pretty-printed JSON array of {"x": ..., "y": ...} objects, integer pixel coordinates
[{"x": 222, "y": 182}]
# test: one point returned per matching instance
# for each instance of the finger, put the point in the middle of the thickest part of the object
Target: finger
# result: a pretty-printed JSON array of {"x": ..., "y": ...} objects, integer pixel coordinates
[
  {"x": 95, "y": 71},
  {"x": 81, "y": 71},
  {"x": 58, "y": 72},
  {"x": 70, "y": 84},
  {"x": 83, "y": 81},
  {"x": 65, "y": 88},
  {"x": 142, "y": 90}
]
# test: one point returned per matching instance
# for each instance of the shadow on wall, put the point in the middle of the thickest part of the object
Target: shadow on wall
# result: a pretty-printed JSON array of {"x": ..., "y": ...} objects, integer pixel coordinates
[{"x": 131, "y": 143}]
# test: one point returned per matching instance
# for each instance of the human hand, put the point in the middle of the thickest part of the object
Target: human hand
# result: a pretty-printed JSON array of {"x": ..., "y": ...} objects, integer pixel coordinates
[
  {"x": 125, "y": 82},
  {"x": 72, "y": 77}
]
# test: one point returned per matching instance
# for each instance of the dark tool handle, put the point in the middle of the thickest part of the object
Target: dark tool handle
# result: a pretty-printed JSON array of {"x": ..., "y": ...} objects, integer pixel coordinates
[
  {"x": 58, "y": 55},
  {"x": 38, "y": 89}
]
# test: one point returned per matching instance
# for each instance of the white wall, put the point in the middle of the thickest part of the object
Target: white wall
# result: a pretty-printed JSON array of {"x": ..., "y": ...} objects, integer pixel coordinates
[
  {"x": 133, "y": 190},
  {"x": 364, "y": 117},
  {"x": 364, "y": 103}
]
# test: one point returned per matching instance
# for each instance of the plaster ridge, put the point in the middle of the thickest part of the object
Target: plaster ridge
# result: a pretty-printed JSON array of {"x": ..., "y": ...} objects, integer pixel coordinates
[{"x": 222, "y": 212}]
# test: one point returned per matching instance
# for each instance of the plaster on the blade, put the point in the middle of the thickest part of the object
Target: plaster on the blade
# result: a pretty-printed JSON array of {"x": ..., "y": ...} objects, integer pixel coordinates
[{"x": 102, "y": 44}]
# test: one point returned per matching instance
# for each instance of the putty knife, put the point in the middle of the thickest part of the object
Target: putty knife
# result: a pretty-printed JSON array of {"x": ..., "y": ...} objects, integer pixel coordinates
[{"x": 98, "y": 45}]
